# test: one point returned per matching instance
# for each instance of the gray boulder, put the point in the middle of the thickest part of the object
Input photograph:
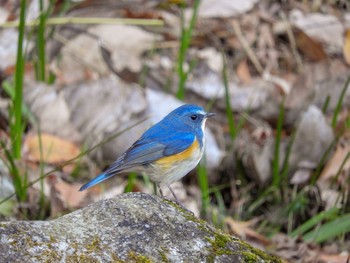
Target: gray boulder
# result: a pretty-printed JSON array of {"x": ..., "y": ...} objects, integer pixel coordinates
[{"x": 132, "y": 227}]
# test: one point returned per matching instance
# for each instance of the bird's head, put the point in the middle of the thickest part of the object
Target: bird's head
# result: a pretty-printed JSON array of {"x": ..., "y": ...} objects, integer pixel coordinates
[{"x": 191, "y": 115}]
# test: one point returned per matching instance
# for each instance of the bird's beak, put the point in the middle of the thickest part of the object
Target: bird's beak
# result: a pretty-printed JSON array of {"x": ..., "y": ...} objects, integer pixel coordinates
[{"x": 209, "y": 114}]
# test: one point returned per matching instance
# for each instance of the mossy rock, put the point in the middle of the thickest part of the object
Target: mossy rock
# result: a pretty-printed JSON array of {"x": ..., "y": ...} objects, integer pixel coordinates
[{"x": 132, "y": 227}]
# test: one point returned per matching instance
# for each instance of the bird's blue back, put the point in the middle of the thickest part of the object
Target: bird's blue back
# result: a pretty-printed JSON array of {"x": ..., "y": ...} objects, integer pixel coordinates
[
  {"x": 172, "y": 135},
  {"x": 167, "y": 137}
]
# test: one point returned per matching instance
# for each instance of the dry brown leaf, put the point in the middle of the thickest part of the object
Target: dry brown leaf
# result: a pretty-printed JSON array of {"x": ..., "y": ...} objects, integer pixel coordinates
[
  {"x": 69, "y": 193},
  {"x": 310, "y": 48},
  {"x": 54, "y": 149},
  {"x": 243, "y": 72},
  {"x": 64, "y": 196},
  {"x": 243, "y": 230},
  {"x": 333, "y": 258},
  {"x": 336, "y": 161},
  {"x": 346, "y": 47}
]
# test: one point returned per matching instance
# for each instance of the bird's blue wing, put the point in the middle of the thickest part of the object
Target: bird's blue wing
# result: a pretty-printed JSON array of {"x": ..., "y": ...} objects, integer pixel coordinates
[
  {"x": 153, "y": 145},
  {"x": 148, "y": 150}
]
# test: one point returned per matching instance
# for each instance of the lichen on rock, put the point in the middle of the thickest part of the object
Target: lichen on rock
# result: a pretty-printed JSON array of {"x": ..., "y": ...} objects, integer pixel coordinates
[{"x": 132, "y": 227}]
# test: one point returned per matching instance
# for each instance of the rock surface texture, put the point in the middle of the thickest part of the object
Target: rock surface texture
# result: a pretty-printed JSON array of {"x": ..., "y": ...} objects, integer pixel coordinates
[{"x": 132, "y": 227}]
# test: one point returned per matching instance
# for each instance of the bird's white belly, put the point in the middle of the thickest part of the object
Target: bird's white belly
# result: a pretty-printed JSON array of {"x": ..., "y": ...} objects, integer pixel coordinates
[{"x": 167, "y": 174}]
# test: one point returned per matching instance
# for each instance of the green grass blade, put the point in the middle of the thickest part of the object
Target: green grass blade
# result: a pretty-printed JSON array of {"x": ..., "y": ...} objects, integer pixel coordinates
[
  {"x": 324, "y": 215},
  {"x": 59, "y": 167},
  {"x": 180, "y": 61},
  {"x": 19, "y": 185},
  {"x": 276, "y": 179},
  {"x": 41, "y": 43},
  {"x": 204, "y": 186},
  {"x": 229, "y": 113},
  {"x": 10, "y": 91},
  {"x": 6, "y": 209},
  {"x": 262, "y": 198},
  {"x": 330, "y": 230},
  {"x": 340, "y": 103},
  {"x": 285, "y": 166},
  {"x": 17, "y": 128},
  {"x": 42, "y": 185},
  {"x": 131, "y": 182},
  {"x": 326, "y": 104},
  {"x": 186, "y": 34},
  {"x": 221, "y": 209}
]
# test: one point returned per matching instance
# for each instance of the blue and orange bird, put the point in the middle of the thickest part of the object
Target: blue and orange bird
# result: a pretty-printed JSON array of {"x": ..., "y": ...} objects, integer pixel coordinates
[{"x": 167, "y": 151}]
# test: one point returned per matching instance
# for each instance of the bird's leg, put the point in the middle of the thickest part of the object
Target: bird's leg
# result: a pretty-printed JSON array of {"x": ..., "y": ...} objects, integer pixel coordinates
[
  {"x": 177, "y": 200},
  {"x": 171, "y": 190},
  {"x": 173, "y": 193},
  {"x": 160, "y": 190}
]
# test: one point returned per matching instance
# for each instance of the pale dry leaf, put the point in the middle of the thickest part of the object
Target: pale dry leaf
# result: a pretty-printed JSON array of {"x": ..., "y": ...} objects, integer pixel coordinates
[
  {"x": 334, "y": 164},
  {"x": 103, "y": 107},
  {"x": 8, "y": 47},
  {"x": 224, "y": 8},
  {"x": 250, "y": 97},
  {"x": 82, "y": 54},
  {"x": 50, "y": 109},
  {"x": 312, "y": 138},
  {"x": 323, "y": 28},
  {"x": 4, "y": 13},
  {"x": 282, "y": 84},
  {"x": 303, "y": 173},
  {"x": 207, "y": 84},
  {"x": 65, "y": 196},
  {"x": 69, "y": 194},
  {"x": 243, "y": 229},
  {"x": 243, "y": 72},
  {"x": 49, "y": 148},
  {"x": 330, "y": 258},
  {"x": 329, "y": 195},
  {"x": 213, "y": 58},
  {"x": 56, "y": 204}
]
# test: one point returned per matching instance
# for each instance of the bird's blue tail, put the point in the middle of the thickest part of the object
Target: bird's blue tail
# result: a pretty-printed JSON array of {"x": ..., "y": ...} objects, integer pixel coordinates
[{"x": 98, "y": 179}]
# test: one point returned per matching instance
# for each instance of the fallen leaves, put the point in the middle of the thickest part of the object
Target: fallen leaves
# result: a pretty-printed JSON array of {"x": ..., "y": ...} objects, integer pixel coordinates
[
  {"x": 243, "y": 72},
  {"x": 310, "y": 48},
  {"x": 338, "y": 164},
  {"x": 49, "y": 149},
  {"x": 65, "y": 195},
  {"x": 244, "y": 230},
  {"x": 263, "y": 65},
  {"x": 224, "y": 8},
  {"x": 323, "y": 28}
]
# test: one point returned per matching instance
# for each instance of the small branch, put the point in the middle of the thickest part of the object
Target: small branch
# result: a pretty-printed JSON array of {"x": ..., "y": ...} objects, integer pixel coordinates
[
  {"x": 55, "y": 21},
  {"x": 246, "y": 47},
  {"x": 292, "y": 42}
]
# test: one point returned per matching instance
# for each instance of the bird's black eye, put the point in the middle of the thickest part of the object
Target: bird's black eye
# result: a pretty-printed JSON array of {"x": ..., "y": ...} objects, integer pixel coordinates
[{"x": 194, "y": 117}]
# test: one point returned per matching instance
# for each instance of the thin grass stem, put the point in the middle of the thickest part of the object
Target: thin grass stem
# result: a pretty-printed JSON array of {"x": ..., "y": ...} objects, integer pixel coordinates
[
  {"x": 340, "y": 103},
  {"x": 186, "y": 34},
  {"x": 276, "y": 178},
  {"x": 229, "y": 113},
  {"x": 204, "y": 186},
  {"x": 59, "y": 167}
]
